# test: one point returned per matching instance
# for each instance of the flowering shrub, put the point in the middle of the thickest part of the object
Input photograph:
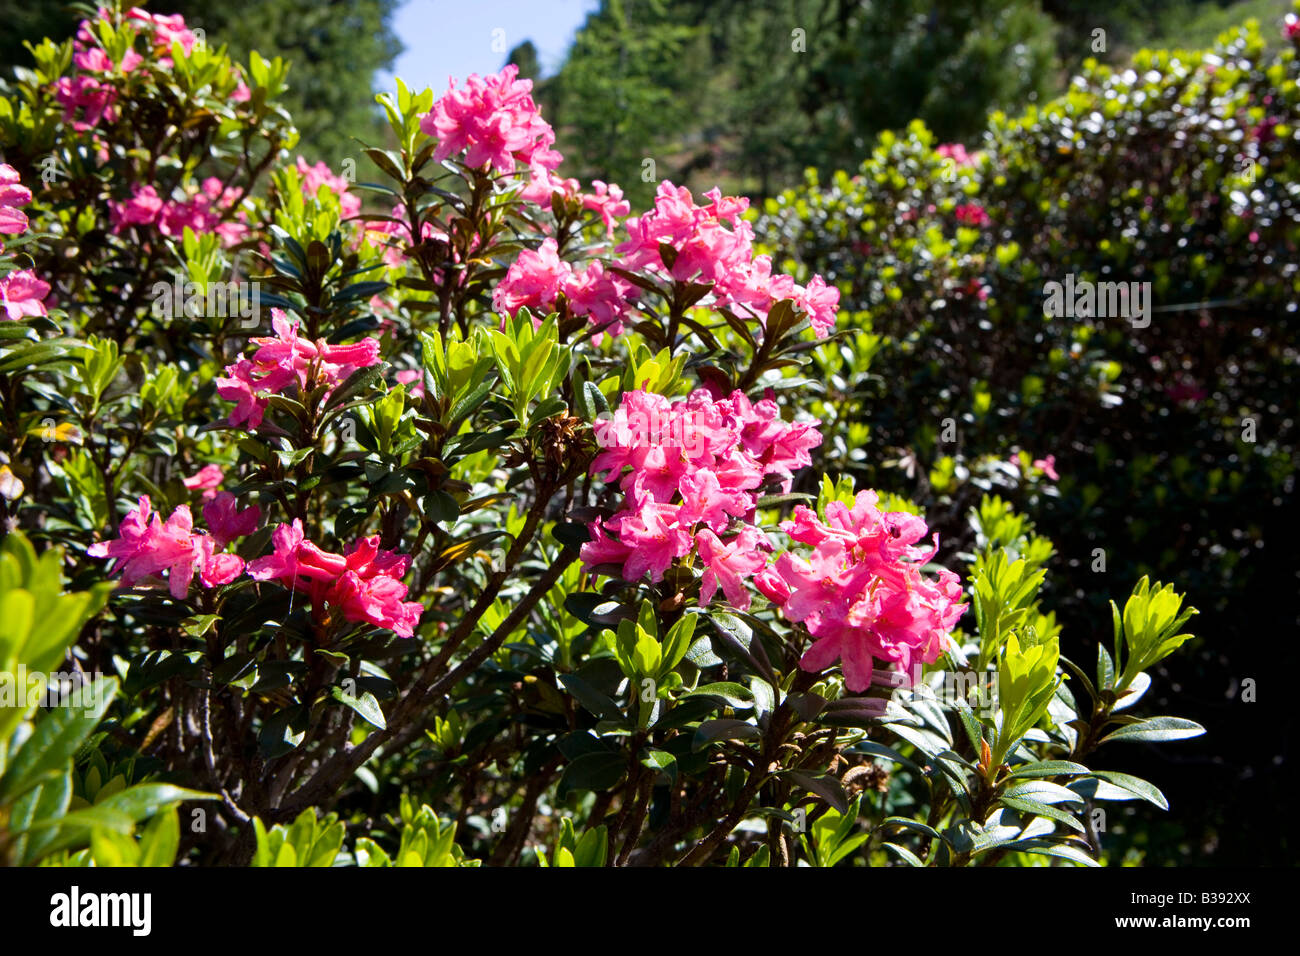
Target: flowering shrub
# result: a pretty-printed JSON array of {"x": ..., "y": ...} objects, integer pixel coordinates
[{"x": 515, "y": 524}]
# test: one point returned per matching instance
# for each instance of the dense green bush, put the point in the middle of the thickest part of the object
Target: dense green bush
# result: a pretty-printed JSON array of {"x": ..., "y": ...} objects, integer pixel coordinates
[{"x": 1174, "y": 434}]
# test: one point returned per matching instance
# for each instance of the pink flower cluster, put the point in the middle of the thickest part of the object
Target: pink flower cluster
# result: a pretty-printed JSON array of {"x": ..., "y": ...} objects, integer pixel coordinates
[
  {"x": 365, "y": 584},
  {"x": 605, "y": 199},
  {"x": 494, "y": 121},
  {"x": 166, "y": 30},
  {"x": 314, "y": 177},
  {"x": 957, "y": 153},
  {"x": 146, "y": 546},
  {"x": 860, "y": 592},
  {"x": 13, "y": 195},
  {"x": 287, "y": 359},
  {"x": 971, "y": 214},
  {"x": 202, "y": 212},
  {"x": 21, "y": 292},
  {"x": 538, "y": 279},
  {"x": 713, "y": 244},
  {"x": 689, "y": 469},
  {"x": 91, "y": 91}
]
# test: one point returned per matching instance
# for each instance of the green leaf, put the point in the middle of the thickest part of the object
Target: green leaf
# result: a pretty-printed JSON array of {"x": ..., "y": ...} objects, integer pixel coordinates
[
  {"x": 731, "y": 693},
  {"x": 826, "y": 787},
  {"x": 1157, "y": 728},
  {"x": 1134, "y": 785},
  {"x": 1042, "y": 810},
  {"x": 904, "y": 854},
  {"x": 355, "y": 384},
  {"x": 58, "y": 734},
  {"x": 366, "y": 705},
  {"x": 662, "y": 761},
  {"x": 592, "y": 848},
  {"x": 725, "y": 728},
  {"x": 593, "y": 771},
  {"x": 589, "y": 697},
  {"x": 1042, "y": 791},
  {"x": 1050, "y": 768},
  {"x": 160, "y": 840},
  {"x": 1063, "y": 850}
]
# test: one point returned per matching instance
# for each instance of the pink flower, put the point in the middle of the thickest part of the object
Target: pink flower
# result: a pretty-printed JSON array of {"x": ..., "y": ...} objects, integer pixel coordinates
[
  {"x": 689, "y": 471},
  {"x": 543, "y": 184},
  {"x": 655, "y": 537},
  {"x": 536, "y": 280},
  {"x": 226, "y": 521},
  {"x": 860, "y": 592},
  {"x": 85, "y": 93},
  {"x": 314, "y": 177},
  {"x": 712, "y": 244},
  {"x": 167, "y": 29},
  {"x": 286, "y": 359},
  {"x": 729, "y": 564},
  {"x": 601, "y": 296},
  {"x": 142, "y": 209},
  {"x": 820, "y": 302},
  {"x": 1048, "y": 466},
  {"x": 494, "y": 121},
  {"x": 216, "y": 568},
  {"x": 12, "y": 195},
  {"x": 532, "y": 281},
  {"x": 956, "y": 152},
  {"x": 414, "y": 378},
  {"x": 704, "y": 500},
  {"x": 207, "y": 478},
  {"x": 364, "y": 585},
  {"x": 607, "y": 199},
  {"x": 23, "y": 294},
  {"x": 146, "y": 547},
  {"x": 202, "y": 212},
  {"x": 239, "y": 386},
  {"x": 970, "y": 214}
]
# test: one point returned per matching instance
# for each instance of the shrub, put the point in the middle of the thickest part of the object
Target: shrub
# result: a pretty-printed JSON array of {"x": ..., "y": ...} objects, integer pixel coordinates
[
  {"x": 1160, "y": 443},
  {"x": 503, "y": 516}
]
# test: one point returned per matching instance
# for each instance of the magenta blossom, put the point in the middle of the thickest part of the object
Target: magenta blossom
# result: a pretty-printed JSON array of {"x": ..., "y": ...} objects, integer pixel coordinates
[
  {"x": 713, "y": 244},
  {"x": 494, "y": 122},
  {"x": 365, "y": 585},
  {"x": 1048, "y": 466},
  {"x": 147, "y": 546},
  {"x": 314, "y": 177},
  {"x": 23, "y": 295},
  {"x": 226, "y": 521},
  {"x": 860, "y": 592},
  {"x": 12, "y": 195},
  {"x": 287, "y": 359},
  {"x": 971, "y": 214},
  {"x": 207, "y": 479},
  {"x": 691, "y": 471}
]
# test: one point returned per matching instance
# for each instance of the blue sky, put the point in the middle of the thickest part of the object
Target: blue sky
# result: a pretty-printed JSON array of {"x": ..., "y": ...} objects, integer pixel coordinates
[{"x": 460, "y": 37}]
